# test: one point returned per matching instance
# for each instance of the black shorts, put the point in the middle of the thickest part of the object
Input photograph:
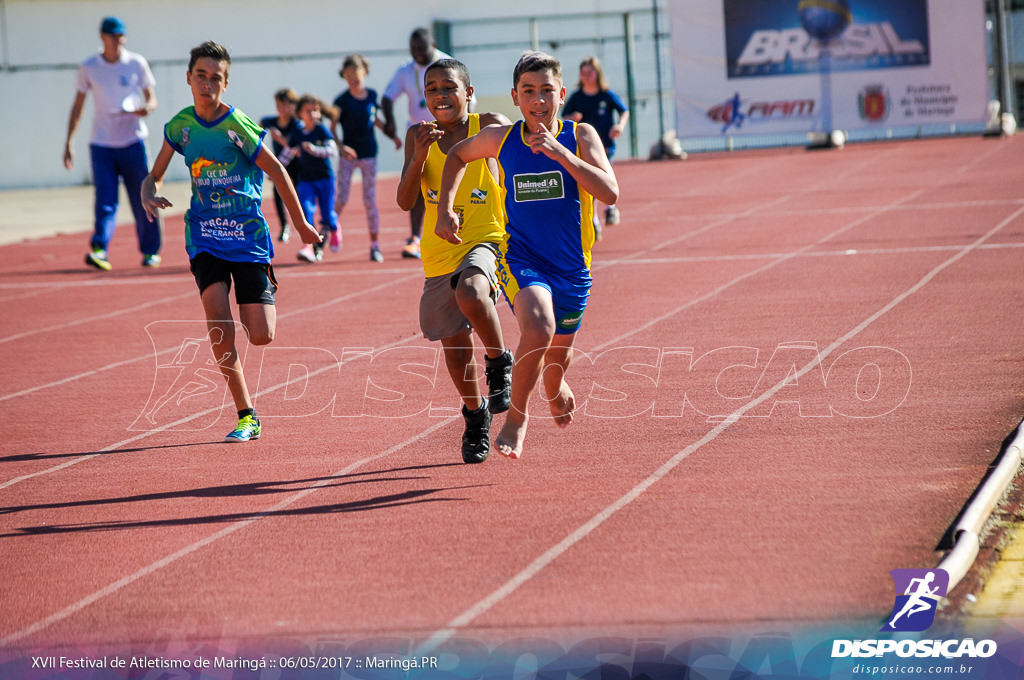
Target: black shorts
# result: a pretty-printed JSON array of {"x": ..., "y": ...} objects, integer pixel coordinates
[{"x": 255, "y": 282}]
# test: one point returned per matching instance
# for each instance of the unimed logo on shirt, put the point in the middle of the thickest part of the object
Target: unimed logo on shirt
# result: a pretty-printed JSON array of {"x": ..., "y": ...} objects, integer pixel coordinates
[{"x": 540, "y": 187}]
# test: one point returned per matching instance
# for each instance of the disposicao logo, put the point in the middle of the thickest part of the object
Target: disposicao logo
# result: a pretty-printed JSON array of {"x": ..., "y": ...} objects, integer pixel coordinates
[
  {"x": 918, "y": 592},
  {"x": 914, "y": 610}
]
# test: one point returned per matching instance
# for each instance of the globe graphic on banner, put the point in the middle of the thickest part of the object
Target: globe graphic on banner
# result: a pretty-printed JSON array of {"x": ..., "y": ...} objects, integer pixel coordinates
[{"x": 824, "y": 19}]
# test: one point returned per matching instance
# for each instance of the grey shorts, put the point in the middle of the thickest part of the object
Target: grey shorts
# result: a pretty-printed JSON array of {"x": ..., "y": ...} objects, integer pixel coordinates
[{"x": 440, "y": 316}]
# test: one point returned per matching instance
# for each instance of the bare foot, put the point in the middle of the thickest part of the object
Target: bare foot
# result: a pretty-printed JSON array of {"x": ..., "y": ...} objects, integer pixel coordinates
[
  {"x": 509, "y": 441},
  {"x": 562, "y": 405}
]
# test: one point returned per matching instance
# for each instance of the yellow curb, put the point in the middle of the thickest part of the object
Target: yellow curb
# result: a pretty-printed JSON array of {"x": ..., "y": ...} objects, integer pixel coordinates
[{"x": 1003, "y": 596}]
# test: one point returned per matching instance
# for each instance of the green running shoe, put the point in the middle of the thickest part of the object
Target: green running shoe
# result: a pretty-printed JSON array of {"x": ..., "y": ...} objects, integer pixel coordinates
[
  {"x": 97, "y": 257},
  {"x": 248, "y": 429}
]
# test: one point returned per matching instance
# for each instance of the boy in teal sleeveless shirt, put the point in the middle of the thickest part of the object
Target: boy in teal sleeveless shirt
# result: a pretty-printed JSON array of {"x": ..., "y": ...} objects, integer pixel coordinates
[{"x": 226, "y": 236}]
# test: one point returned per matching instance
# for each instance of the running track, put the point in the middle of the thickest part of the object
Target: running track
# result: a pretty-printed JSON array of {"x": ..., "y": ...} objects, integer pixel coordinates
[{"x": 896, "y": 265}]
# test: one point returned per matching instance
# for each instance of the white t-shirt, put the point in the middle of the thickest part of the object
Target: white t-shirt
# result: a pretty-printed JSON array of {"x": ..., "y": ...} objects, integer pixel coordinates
[
  {"x": 408, "y": 80},
  {"x": 111, "y": 85}
]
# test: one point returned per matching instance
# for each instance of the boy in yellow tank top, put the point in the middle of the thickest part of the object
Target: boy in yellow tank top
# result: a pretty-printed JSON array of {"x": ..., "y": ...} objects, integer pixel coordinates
[{"x": 461, "y": 282}]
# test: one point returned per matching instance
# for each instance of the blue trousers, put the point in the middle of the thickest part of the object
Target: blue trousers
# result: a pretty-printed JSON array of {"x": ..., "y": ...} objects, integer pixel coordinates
[
  {"x": 320, "y": 191},
  {"x": 108, "y": 167}
]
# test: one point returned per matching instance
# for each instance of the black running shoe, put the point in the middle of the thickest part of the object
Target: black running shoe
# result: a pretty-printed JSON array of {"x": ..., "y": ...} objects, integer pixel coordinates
[
  {"x": 499, "y": 381},
  {"x": 476, "y": 440}
]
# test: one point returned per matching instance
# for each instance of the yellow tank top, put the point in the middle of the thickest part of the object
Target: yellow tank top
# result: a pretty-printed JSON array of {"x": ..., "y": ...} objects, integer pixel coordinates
[{"x": 477, "y": 201}]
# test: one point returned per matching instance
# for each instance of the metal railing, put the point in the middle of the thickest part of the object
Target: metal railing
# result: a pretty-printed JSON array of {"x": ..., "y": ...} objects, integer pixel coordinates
[{"x": 629, "y": 44}]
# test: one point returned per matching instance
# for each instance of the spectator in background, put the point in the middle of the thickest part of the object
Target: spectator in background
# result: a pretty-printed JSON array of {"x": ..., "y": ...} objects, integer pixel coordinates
[
  {"x": 597, "y": 105},
  {"x": 357, "y": 119},
  {"x": 280, "y": 128},
  {"x": 314, "y": 148},
  {"x": 122, "y": 86},
  {"x": 408, "y": 81}
]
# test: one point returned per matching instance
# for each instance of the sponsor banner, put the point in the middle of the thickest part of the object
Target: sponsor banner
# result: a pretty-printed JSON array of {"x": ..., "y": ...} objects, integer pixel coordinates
[
  {"x": 766, "y": 38},
  {"x": 751, "y": 67}
]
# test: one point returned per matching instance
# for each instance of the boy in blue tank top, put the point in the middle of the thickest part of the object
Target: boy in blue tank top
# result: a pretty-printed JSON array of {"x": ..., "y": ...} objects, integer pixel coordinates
[
  {"x": 551, "y": 170},
  {"x": 226, "y": 236}
]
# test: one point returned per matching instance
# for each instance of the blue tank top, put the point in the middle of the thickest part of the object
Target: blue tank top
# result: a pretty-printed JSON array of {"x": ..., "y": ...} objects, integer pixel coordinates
[{"x": 550, "y": 218}]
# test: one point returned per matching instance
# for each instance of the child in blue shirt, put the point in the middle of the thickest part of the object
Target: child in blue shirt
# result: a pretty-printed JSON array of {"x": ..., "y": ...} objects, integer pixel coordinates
[
  {"x": 226, "y": 236},
  {"x": 357, "y": 117},
  {"x": 313, "y": 146},
  {"x": 595, "y": 104}
]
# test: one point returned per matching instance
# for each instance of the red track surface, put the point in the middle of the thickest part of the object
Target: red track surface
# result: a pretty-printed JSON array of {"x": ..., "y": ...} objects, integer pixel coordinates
[{"x": 642, "y": 516}]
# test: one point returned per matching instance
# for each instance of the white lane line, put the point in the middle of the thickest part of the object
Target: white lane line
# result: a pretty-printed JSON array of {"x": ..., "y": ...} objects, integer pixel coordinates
[
  {"x": 553, "y": 553},
  {"x": 801, "y": 251},
  {"x": 181, "y": 421},
  {"x": 86, "y": 374},
  {"x": 287, "y": 273},
  {"x": 119, "y": 364},
  {"x": 916, "y": 250},
  {"x": 844, "y": 210},
  {"x": 754, "y": 272},
  {"x": 91, "y": 319},
  {"x": 114, "y": 587}
]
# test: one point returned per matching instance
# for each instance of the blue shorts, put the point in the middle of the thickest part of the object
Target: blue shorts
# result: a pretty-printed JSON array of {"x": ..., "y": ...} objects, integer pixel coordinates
[{"x": 569, "y": 292}]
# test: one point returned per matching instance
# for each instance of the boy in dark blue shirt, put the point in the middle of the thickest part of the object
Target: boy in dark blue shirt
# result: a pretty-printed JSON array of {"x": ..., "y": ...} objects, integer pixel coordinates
[{"x": 597, "y": 105}]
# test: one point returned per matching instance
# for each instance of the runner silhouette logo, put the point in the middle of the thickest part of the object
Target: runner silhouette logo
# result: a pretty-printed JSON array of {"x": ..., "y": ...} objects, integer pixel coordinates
[{"x": 918, "y": 592}]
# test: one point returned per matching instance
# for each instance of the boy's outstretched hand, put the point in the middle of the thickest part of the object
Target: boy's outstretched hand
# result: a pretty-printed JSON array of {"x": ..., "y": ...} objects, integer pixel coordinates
[
  {"x": 308, "y": 234},
  {"x": 151, "y": 202},
  {"x": 448, "y": 224},
  {"x": 424, "y": 135}
]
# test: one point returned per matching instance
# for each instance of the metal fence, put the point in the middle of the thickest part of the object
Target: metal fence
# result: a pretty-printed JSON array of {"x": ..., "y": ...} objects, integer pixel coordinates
[
  {"x": 633, "y": 48},
  {"x": 635, "y": 51}
]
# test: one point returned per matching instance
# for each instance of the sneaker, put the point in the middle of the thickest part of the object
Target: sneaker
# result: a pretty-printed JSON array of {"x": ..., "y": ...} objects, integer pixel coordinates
[
  {"x": 499, "y": 382},
  {"x": 598, "y": 234},
  {"x": 335, "y": 241},
  {"x": 247, "y": 430},
  {"x": 309, "y": 254},
  {"x": 611, "y": 216},
  {"x": 411, "y": 249},
  {"x": 476, "y": 440},
  {"x": 376, "y": 255},
  {"x": 97, "y": 257},
  {"x": 286, "y": 234},
  {"x": 151, "y": 260}
]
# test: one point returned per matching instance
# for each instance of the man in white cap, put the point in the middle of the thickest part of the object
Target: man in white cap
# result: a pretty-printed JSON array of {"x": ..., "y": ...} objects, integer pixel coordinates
[{"x": 123, "y": 93}]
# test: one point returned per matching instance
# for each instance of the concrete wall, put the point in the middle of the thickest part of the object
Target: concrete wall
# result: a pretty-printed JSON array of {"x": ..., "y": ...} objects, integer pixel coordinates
[{"x": 274, "y": 43}]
